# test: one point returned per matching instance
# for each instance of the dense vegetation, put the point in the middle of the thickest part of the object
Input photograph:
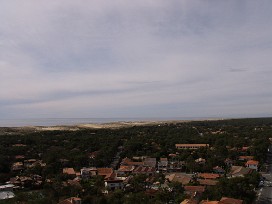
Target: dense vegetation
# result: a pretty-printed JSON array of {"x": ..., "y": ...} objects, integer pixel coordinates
[{"x": 156, "y": 141}]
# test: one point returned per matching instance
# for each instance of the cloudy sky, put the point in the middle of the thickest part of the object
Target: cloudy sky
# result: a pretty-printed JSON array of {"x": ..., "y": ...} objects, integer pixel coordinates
[{"x": 144, "y": 58}]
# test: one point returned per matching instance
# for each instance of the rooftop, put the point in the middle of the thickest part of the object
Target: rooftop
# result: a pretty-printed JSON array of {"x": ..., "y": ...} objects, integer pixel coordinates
[
  {"x": 69, "y": 171},
  {"x": 208, "y": 175},
  {"x": 207, "y": 182},
  {"x": 194, "y": 188},
  {"x": 226, "y": 200},
  {"x": 192, "y": 145},
  {"x": 252, "y": 162}
]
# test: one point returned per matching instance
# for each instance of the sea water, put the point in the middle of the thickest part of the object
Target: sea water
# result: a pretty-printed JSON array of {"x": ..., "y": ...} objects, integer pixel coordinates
[{"x": 77, "y": 121}]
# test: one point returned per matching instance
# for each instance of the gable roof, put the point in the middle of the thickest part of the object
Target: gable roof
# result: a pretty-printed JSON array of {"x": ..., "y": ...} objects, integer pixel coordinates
[
  {"x": 252, "y": 162},
  {"x": 141, "y": 169},
  {"x": 189, "y": 201},
  {"x": 209, "y": 202},
  {"x": 126, "y": 168},
  {"x": 192, "y": 145},
  {"x": 239, "y": 171},
  {"x": 218, "y": 169},
  {"x": 226, "y": 200},
  {"x": 151, "y": 162},
  {"x": 200, "y": 189},
  {"x": 129, "y": 162},
  {"x": 245, "y": 158},
  {"x": 69, "y": 171},
  {"x": 105, "y": 172},
  {"x": 69, "y": 200},
  {"x": 207, "y": 182},
  {"x": 208, "y": 175}
]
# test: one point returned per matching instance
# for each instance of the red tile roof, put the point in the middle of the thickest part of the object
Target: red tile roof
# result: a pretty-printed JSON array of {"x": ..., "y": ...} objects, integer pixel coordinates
[
  {"x": 207, "y": 182},
  {"x": 239, "y": 171},
  {"x": 246, "y": 158},
  {"x": 129, "y": 162},
  {"x": 19, "y": 157},
  {"x": 252, "y": 162},
  {"x": 226, "y": 200},
  {"x": 209, "y": 202},
  {"x": 192, "y": 145},
  {"x": 105, "y": 172},
  {"x": 144, "y": 170},
  {"x": 179, "y": 177},
  {"x": 245, "y": 148},
  {"x": 126, "y": 168},
  {"x": 189, "y": 201},
  {"x": 208, "y": 175},
  {"x": 69, "y": 200},
  {"x": 218, "y": 168},
  {"x": 69, "y": 171},
  {"x": 200, "y": 189}
]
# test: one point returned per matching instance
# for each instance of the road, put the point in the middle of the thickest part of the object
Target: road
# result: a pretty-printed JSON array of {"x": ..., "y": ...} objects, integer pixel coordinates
[{"x": 265, "y": 192}]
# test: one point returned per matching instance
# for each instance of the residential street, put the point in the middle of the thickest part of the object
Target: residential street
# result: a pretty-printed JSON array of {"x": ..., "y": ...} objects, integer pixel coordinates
[{"x": 265, "y": 192}]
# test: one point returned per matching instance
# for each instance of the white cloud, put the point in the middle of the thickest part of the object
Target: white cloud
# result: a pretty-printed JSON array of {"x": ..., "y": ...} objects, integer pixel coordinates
[{"x": 72, "y": 58}]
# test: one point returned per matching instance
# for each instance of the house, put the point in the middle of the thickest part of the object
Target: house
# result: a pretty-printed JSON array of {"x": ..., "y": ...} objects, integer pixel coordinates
[
  {"x": 191, "y": 146},
  {"x": 151, "y": 193},
  {"x": 229, "y": 162},
  {"x": 23, "y": 181},
  {"x": 19, "y": 145},
  {"x": 178, "y": 177},
  {"x": 163, "y": 164},
  {"x": 105, "y": 172},
  {"x": 72, "y": 200},
  {"x": 175, "y": 165},
  {"x": 6, "y": 195},
  {"x": 37, "y": 180},
  {"x": 86, "y": 173},
  {"x": 30, "y": 163},
  {"x": 150, "y": 162},
  {"x": 64, "y": 162},
  {"x": 17, "y": 166},
  {"x": 172, "y": 155},
  {"x": 125, "y": 170},
  {"x": 114, "y": 184},
  {"x": 239, "y": 171},
  {"x": 218, "y": 170},
  {"x": 19, "y": 157},
  {"x": 207, "y": 182},
  {"x": 8, "y": 187},
  {"x": 75, "y": 183},
  {"x": 194, "y": 191},
  {"x": 226, "y": 200},
  {"x": 200, "y": 161},
  {"x": 244, "y": 149},
  {"x": 69, "y": 171},
  {"x": 93, "y": 155},
  {"x": 208, "y": 202},
  {"x": 189, "y": 201},
  {"x": 144, "y": 170},
  {"x": 252, "y": 164},
  {"x": 245, "y": 158},
  {"x": 128, "y": 162},
  {"x": 208, "y": 176}
]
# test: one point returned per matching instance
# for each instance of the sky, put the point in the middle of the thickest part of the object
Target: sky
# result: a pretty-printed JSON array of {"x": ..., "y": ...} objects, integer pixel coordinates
[{"x": 144, "y": 58}]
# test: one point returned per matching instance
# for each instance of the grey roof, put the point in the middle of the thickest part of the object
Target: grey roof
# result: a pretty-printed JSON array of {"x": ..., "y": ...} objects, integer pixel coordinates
[{"x": 6, "y": 195}]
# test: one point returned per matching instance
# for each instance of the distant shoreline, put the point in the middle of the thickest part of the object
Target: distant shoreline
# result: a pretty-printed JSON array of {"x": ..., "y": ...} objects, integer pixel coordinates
[
  {"x": 52, "y": 122},
  {"x": 76, "y": 124},
  {"x": 107, "y": 125}
]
